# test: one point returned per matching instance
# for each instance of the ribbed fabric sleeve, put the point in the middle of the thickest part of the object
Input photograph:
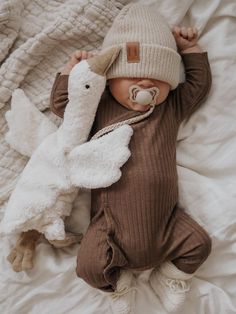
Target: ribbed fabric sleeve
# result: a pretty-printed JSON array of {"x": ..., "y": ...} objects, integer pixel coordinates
[
  {"x": 189, "y": 95},
  {"x": 59, "y": 95}
]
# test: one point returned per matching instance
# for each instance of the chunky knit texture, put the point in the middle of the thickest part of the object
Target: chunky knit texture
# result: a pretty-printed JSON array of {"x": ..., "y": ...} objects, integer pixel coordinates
[{"x": 36, "y": 39}]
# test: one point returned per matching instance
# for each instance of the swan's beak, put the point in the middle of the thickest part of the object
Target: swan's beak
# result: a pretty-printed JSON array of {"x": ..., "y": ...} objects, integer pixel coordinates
[{"x": 101, "y": 63}]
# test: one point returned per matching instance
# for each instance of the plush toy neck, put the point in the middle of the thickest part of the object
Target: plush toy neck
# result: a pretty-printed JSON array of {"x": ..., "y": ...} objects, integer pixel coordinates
[
  {"x": 78, "y": 121},
  {"x": 81, "y": 109}
]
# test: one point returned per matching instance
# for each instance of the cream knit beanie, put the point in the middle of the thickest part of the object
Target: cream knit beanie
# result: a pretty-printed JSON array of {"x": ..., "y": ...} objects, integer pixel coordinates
[{"x": 148, "y": 46}]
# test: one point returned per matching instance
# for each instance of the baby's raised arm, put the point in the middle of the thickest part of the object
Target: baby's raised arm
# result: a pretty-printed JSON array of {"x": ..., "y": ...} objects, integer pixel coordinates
[
  {"x": 59, "y": 93},
  {"x": 188, "y": 96}
]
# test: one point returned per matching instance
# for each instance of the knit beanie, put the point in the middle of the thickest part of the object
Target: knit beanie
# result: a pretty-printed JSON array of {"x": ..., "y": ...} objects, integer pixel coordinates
[{"x": 148, "y": 45}]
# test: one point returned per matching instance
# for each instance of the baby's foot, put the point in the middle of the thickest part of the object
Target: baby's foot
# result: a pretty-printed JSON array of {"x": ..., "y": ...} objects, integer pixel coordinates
[
  {"x": 123, "y": 298},
  {"x": 171, "y": 285}
]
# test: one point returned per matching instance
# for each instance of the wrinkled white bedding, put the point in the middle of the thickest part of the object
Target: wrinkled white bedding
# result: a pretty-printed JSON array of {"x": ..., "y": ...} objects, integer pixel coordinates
[{"x": 207, "y": 175}]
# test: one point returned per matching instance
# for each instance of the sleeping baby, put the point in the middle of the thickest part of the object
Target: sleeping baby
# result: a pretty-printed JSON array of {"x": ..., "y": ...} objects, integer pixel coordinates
[{"x": 136, "y": 223}]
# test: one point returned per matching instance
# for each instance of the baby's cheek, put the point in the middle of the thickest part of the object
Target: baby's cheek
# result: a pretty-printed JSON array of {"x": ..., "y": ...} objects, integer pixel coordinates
[
  {"x": 121, "y": 94},
  {"x": 163, "y": 94}
]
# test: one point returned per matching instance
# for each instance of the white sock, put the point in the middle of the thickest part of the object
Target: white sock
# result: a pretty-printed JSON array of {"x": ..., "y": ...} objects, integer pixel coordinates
[
  {"x": 170, "y": 284},
  {"x": 123, "y": 298},
  {"x": 142, "y": 275}
]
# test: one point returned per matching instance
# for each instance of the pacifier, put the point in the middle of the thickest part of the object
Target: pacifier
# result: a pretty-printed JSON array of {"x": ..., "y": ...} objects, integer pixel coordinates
[{"x": 143, "y": 97}]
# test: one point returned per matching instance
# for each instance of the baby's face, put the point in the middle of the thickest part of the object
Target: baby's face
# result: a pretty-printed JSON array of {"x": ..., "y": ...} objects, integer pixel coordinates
[{"x": 119, "y": 88}]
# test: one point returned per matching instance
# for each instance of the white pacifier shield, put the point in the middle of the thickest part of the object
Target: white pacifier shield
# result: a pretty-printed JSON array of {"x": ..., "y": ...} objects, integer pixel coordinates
[{"x": 143, "y": 96}]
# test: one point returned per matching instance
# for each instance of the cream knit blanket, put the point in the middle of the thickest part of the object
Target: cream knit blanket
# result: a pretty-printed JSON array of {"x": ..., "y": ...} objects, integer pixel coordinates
[{"x": 36, "y": 39}]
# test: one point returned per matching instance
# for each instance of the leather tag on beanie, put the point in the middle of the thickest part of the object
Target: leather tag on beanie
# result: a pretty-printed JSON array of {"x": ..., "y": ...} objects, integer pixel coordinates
[{"x": 133, "y": 53}]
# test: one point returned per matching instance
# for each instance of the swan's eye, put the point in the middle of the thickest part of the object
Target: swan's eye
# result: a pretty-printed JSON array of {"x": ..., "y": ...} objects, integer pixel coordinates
[{"x": 87, "y": 86}]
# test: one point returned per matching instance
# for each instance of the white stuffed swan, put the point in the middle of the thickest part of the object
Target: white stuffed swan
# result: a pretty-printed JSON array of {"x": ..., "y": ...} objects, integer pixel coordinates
[{"x": 64, "y": 161}]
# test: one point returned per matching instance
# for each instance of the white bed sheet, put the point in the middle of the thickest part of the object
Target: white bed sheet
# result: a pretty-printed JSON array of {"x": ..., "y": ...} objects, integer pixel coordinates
[{"x": 207, "y": 176}]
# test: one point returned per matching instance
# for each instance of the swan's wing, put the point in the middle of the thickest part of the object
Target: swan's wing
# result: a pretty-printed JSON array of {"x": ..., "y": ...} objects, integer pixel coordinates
[
  {"x": 28, "y": 127},
  {"x": 97, "y": 163}
]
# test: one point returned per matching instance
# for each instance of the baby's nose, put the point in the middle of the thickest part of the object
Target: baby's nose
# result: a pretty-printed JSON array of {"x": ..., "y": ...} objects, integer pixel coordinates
[{"x": 146, "y": 83}]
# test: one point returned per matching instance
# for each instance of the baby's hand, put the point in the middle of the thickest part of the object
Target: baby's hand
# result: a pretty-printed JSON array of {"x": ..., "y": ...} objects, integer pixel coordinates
[
  {"x": 186, "y": 39},
  {"x": 76, "y": 57}
]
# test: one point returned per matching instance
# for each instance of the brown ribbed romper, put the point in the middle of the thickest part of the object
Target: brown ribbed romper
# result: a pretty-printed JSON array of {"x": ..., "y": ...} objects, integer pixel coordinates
[{"x": 136, "y": 223}]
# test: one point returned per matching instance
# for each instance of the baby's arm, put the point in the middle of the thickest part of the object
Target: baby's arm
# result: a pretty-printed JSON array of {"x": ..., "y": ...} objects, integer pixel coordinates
[
  {"x": 59, "y": 93},
  {"x": 188, "y": 96}
]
